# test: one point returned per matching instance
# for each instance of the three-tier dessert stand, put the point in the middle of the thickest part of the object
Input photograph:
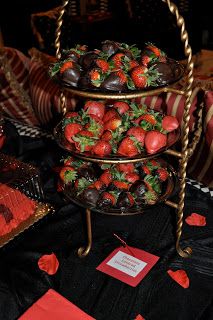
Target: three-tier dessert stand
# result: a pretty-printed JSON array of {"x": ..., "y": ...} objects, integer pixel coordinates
[{"x": 187, "y": 148}]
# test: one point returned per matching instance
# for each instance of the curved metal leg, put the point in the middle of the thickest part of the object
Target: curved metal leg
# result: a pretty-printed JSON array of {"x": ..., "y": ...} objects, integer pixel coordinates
[{"x": 83, "y": 251}]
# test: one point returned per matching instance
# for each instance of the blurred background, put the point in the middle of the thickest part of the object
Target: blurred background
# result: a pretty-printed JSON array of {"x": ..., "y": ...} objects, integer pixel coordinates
[{"x": 32, "y": 23}]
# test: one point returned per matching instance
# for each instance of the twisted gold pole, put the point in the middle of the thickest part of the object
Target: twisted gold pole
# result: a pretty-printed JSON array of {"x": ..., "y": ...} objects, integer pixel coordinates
[
  {"x": 185, "y": 128},
  {"x": 58, "y": 47}
]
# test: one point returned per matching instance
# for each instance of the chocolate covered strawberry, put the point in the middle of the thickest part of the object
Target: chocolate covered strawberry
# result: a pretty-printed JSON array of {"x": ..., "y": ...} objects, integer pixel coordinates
[
  {"x": 71, "y": 129},
  {"x": 119, "y": 185},
  {"x": 116, "y": 81},
  {"x": 96, "y": 108},
  {"x": 170, "y": 123},
  {"x": 125, "y": 200},
  {"x": 154, "y": 141},
  {"x": 90, "y": 195},
  {"x": 131, "y": 177},
  {"x": 70, "y": 73},
  {"x": 107, "y": 199}
]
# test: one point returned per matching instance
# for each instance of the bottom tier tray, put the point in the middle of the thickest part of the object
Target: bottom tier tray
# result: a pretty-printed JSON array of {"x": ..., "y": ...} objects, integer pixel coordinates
[{"x": 170, "y": 190}]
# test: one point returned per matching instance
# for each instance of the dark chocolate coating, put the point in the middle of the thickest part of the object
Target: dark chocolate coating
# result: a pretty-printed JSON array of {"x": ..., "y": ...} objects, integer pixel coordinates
[
  {"x": 123, "y": 202},
  {"x": 71, "y": 76},
  {"x": 113, "y": 83},
  {"x": 88, "y": 173},
  {"x": 87, "y": 60},
  {"x": 109, "y": 47},
  {"x": 90, "y": 195}
]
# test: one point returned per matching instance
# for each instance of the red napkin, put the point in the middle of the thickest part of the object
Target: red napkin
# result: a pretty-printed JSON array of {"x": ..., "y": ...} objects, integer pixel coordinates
[
  {"x": 180, "y": 276},
  {"x": 53, "y": 306},
  {"x": 196, "y": 219},
  {"x": 139, "y": 317},
  {"x": 48, "y": 263}
]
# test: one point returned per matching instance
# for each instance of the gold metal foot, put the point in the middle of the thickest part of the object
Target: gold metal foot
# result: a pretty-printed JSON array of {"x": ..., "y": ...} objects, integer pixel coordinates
[
  {"x": 185, "y": 253},
  {"x": 83, "y": 251}
]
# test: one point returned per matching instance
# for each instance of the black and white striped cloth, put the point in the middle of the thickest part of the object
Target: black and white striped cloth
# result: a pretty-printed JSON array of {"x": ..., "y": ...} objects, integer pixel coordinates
[{"x": 36, "y": 132}]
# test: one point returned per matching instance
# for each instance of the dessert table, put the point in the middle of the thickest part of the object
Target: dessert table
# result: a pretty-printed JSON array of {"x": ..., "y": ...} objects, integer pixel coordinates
[{"x": 157, "y": 296}]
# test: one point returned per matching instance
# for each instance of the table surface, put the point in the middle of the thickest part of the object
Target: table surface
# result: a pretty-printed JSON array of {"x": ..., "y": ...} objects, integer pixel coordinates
[{"x": 156, "y": 297}]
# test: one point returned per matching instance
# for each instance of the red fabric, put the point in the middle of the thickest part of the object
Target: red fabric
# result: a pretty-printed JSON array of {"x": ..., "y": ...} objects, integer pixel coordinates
[
  {"x": 49, "y": 263},
  {"x": 2, "y": 140},
  {"x": 180, "y": 276},
  {"x": 139, "y": 317},
  {"x": 196, "y": 219},
  {"x": 53, "y": 306},
  {"x": 11, "y": 104}
]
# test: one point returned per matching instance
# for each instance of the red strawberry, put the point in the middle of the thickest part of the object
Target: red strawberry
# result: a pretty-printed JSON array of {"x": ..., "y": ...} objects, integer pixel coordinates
[
  {"x": 112, "y": 124},
  {"x": 121, "y": 106},
  {"x": 102, "y": 148},
  {"x": 95, "y": 126},
  {"x": 72, "y": 129},
  {"x": 128, "y": 147},
  {"x": 96, "y": 108},
  {"x": 154, "y": 49},
  {"x": 133, "y": 64},
  {"x": 145, "y": 60},
  {"x": 96, "y": 77},
  {"x": 106, "y": 177},
  {"x": 84, "y": 141},
  {"x": 146, "y": 170},
  {"x": 111, "y": 113},
  {"x": 68, "y": 161},
  {"x": 66, "y": 65},
  {"x": 170, "y": 123},
  {"x": 102, "y": 64},
  {"x": 99, "y": 185},
  {"x": 107, "y": 135},
  {"x": 117, "y": 59},
  {"x": 131, "y": 177},
  {"x": 121, "y": 185},
  {"x": 122, "y": 76},
  {"x": 138, "y": 133},
  {"x": 154, "y": 141},
  {"x": 71, "y": 114},
  {"x": 162, "y": 174},
  {"x": 67, "y": 174},
  {"x": 139, "y": 76},
  {"x": 126, "y": 167},
  {"x": 146, "y": 121}
]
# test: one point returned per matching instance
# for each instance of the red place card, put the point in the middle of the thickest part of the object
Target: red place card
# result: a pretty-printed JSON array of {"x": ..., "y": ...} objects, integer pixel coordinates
[{"x": 128, "y": 264}]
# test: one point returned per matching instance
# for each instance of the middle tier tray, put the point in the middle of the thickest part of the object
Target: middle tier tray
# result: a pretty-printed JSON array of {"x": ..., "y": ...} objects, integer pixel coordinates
[{"x": 172, "y": 138}]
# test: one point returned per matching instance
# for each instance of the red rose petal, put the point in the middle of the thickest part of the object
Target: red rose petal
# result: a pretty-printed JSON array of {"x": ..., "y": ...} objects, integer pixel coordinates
[
  {"x": 48, "y": 263},
  {"x": 139, "y": 317},
  {"x": 196, "y": 219},
  {"x": 180, "y": 276}
]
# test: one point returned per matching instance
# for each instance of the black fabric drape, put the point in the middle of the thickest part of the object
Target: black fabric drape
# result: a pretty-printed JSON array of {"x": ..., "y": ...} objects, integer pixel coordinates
[{"x": 156, "y": 297}]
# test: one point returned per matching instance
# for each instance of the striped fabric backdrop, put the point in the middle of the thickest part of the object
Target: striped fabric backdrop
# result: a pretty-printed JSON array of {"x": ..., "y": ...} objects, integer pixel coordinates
[{"x": 11, "y": 103}]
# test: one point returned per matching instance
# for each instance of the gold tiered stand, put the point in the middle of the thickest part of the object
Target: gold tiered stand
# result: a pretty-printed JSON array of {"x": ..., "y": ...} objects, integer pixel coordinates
[{"x": 186, "y": 147}]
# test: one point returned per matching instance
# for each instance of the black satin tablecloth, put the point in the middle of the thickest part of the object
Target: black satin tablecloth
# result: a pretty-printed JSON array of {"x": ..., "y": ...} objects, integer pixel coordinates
[{"x": 156, "y": 297}]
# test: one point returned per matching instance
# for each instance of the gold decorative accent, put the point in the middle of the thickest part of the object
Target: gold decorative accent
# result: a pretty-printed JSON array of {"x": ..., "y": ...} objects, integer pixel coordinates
[
  {"x": 185, "y": 128},
  {"x": 18, "y": 90},
  {"x": 83, "y": 251},
  {"x": 41, "y": 211}
]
